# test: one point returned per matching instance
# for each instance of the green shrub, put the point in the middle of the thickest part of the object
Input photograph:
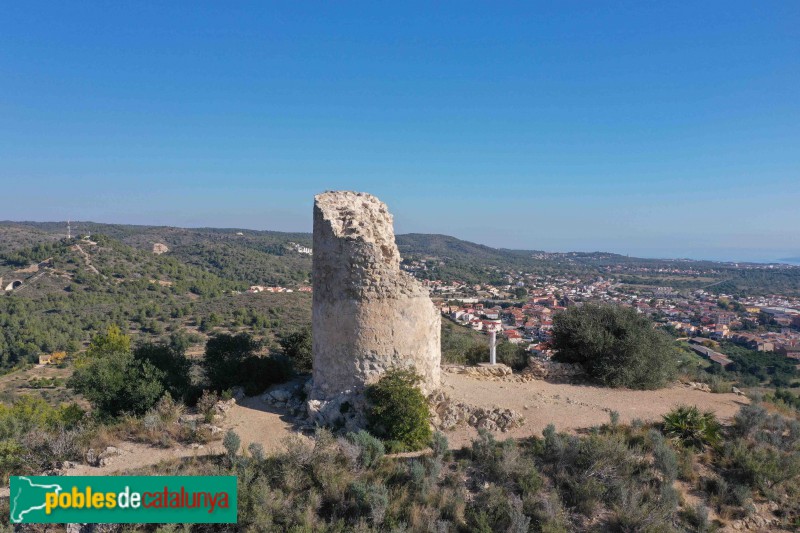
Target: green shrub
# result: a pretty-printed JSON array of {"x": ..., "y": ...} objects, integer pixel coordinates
[
  {"x": 759, "y": 465},
  {"x": 512, "y": 355},
  {"x": 664, "y": 457},
  {"x": 297, "y": 347},
  {"x": 418, "y": 475},
  {"x": 589, "y": 471},
  {"x": 35, "y": 436},
  {"x": 639, "y": 510},
  {"x": 494, "y": 509},
  {"x": 113, "y": 380},
  {"x": 223, "y": 359},
  {"x": 371, "y": 450},
  {"x": 688, "y": 426},
  {"x": 206, "y": 404},
  {"x": 11, "y": 458},
  {"x": 784, "y": 397},
  {"x": 172, "y": 361},
  {"x": 30, "y": 412},
  {"x": 257, "y": 373},
  {"x": 697, "y": 518},
  {"x": 462, "y": 345},
  {"x": 231, "y": 360},
  {"x": 503, "y": 462},
  {"x": 548, "y": 514},
  {"x": 231, "y": 442},
  {"x": 370, "y": 500},
  {"x": 686, "y": 467},
  {"x": 721, "y": 493},
  {"x": 719, "y": 386},
  {"x": 748, "y": 419},
  {"x": 397, "y": 410},
  {"x": 615, "y": 345},
  {"x": 439, "y": 444},
  {"x": 256, "y": 450},
  {"x": 70, "y": 415}
]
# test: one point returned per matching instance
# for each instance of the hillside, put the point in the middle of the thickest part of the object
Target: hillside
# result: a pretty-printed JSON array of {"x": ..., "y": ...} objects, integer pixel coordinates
[
  {"x": 71, "y": 289},
  {"x": 109, "y": 275},
  {"x": 245, "y": 256}
]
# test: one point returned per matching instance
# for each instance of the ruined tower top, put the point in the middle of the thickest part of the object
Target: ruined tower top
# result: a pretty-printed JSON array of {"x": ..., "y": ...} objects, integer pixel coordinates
[
  {"x": 354, "y": 244},
  {"x": 358, "y": 216}
]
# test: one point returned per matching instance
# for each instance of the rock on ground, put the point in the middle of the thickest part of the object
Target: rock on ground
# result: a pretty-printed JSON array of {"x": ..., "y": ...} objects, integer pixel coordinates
[
  {"x": 481, "y": 371},
  {"x": 552, "y": 371},
  {"x": 448, "y": 414}
]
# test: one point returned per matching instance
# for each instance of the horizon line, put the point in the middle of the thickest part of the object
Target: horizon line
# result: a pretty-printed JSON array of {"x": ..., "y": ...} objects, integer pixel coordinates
[{"x": 787, "y": 261}]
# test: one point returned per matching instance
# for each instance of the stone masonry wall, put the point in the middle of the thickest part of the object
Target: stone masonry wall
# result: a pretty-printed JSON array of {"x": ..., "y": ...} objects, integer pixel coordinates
[{"x": 368, "y": 315}]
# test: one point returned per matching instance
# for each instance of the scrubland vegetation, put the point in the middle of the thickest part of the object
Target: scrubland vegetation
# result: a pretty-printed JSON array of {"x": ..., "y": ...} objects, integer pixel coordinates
[
  {"x": 637, "y": 477},
  {"x": 147, "y": 295},
  {"x": 687, "y": 472}
]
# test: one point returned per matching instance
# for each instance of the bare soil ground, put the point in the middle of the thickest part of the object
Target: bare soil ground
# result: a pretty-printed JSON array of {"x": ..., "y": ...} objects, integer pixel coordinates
[
  {"x": 572, "y": 408},
  {"x": 575, "y": 407},
  {"x": 251, "y": 418}
]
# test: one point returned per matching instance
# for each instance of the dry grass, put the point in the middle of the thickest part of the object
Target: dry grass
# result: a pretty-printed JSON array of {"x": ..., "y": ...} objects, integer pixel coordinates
[{"x": 19, "y": 382}]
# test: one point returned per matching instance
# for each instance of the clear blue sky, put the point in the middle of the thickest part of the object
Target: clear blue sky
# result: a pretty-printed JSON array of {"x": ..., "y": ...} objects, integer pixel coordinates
[{"x": 649, "y": 128}]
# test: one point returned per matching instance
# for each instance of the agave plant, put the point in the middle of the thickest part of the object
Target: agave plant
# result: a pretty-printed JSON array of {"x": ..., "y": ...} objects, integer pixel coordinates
[{"x": 688, "y": 426}]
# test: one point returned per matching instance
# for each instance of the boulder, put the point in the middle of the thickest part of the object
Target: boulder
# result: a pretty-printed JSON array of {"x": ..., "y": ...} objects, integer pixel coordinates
[{"x": 280, "y": 395}]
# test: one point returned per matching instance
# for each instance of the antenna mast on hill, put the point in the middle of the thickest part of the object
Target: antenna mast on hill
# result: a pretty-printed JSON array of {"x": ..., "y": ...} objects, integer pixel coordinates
[{"x": 69, "y": 231}]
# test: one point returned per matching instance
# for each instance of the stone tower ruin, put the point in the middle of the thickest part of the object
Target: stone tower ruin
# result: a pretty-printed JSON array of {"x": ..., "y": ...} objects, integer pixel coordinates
[{"x": 368, "y": 315}]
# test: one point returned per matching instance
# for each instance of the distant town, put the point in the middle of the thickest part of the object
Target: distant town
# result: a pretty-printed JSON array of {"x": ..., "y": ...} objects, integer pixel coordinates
[{"x": 521, "y": 309}]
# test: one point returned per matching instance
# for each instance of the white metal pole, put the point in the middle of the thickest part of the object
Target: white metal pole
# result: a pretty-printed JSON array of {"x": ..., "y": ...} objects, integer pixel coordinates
[{"x": 492, "y": 349}]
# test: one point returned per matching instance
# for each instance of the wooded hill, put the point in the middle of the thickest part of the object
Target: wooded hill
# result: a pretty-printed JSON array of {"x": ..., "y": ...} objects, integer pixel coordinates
[{"x": 115, "y": 278}]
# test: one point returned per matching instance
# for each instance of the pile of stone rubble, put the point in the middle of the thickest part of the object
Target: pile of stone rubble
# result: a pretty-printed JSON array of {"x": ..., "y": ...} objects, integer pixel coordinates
[
  {"x": 288, "y": 397},
  {"x": 491, "y": 372},
  {"x": 449, "y": 414},
  {"x": 552, "y": 371}
]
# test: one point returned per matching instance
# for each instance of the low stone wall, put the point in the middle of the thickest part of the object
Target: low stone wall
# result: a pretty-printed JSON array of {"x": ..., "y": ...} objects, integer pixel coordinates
[
  {"x": 448, "y": 414},
  {"x": 552, "y": 371},
  {"x": 480, "y": 371}
]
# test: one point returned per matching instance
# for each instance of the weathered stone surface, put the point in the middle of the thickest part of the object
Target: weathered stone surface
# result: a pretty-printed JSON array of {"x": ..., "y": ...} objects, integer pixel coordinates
[
  {"x": 484, "y": 370},
  {"x": 552, "y": 371},
  {"x": 368, "y": 315},
  {"x": 103, "y": 458},
  {"x": 449, "y": 414},
  {"x": 91, "y": 457},
  {"x": 700, "y": 386}
]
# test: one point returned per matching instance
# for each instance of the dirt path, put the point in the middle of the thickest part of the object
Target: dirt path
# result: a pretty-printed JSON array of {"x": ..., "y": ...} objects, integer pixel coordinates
[
  {"x": 575, "y": 407},
  {"x": 255, "y": 421},
  {"x": 87, "y": 260},
  {"x": 251, "y": 418},
  {"x": 569, "y": 407},
  {"x": 133, "y": 455}
]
